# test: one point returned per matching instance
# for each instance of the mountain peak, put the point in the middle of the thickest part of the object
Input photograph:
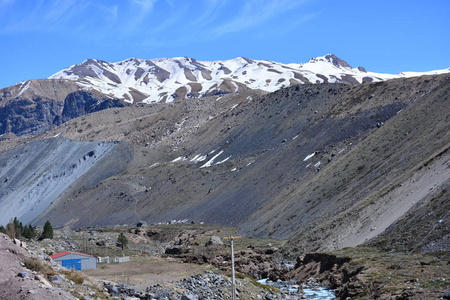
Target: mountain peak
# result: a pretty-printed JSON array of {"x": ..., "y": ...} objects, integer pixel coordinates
[
  {"x": 164, "y": 79},
  {"x": 242, "y": 58},
  {"x": 333, "y": 59},
  {"x": 337, "y": 61}
]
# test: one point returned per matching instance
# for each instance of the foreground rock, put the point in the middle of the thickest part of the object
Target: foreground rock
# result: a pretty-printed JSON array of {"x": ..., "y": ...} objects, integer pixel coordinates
[
  {"x": 18, "y": 282},
  {"x": 257, "y": 265},
  {"x": 202, "y": 286},
  {"x": 369, "y": 274}
]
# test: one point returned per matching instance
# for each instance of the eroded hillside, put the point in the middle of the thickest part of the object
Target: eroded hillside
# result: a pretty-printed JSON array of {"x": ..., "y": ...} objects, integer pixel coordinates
[{"x": 327, "y": 165}]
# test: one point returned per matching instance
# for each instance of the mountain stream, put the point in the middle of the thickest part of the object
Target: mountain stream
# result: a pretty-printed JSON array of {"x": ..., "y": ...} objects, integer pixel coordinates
[{"x": 297, "y": 292}]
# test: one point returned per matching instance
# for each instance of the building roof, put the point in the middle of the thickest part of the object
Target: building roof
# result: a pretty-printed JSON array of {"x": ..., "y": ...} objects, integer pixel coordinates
[{"x": 63, "y": 253}]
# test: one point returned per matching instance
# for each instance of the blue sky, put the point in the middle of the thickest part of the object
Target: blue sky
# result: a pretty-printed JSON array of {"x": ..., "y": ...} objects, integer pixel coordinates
[{"x": 41, "y": 37}]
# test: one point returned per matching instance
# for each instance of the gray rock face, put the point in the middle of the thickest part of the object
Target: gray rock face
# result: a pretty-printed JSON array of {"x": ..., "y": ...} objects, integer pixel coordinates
[
  {"x": 23, "y": 274},
  {"x": 447, "y": 295},
  {"x": 29, "y": 116},
  {"x": 23, "y": 114},
  {"x": 81, "y": 103},
  {"x": 141, "y": 224},
  {"x": 57, "y": 279},
  {"x": 214, "y": 241},
  {"x": 56, "y": 164}
]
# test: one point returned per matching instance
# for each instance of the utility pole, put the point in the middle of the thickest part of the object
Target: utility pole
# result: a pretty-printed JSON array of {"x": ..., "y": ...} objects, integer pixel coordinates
[
  {"x": 233, "y": 280},
  {"x": 233, "y": 275}
]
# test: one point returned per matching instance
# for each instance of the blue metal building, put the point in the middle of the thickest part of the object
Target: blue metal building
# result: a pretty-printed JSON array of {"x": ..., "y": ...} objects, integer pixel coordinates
[{"x": 75, "y": 261}]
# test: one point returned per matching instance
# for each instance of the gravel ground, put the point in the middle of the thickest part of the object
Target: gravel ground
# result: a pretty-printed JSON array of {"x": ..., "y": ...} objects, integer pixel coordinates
[{"x": 18, "y": 282}]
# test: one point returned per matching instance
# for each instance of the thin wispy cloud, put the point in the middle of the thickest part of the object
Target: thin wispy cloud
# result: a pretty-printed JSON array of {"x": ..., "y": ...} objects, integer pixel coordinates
[
  {"x": 69, "y": 15},
  {"x": 44, "y": 16},
  {"x": 254, "y": 13},
  {"x": 288, "y": 26},
  {"x": 111, "y": 12},
  {"x": 139, "y": 11},
  {"x": 211, "y": 12},
  {"x": 172, "y": 21},
  {"x": 152, "y": 24},
  {"x": 215, "y": 18},
  {"x": 61, "y": 12}
]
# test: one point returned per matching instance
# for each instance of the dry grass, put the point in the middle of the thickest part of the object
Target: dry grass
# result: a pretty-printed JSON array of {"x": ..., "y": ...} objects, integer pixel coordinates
[
  {"x": 145, "y": 271},
  {"x": 75, "y": 276},
  {"x": 394, "y": 272},
  {"x": 35, "y": 264}
]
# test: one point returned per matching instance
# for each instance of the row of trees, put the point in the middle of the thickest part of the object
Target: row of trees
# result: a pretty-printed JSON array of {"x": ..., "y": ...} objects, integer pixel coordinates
[{"x": 15, "y": 229}]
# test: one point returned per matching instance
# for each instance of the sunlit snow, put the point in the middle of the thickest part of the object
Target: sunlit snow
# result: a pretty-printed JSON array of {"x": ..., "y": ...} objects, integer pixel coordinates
[
  {"x": 160, "y": 79},
  {"x": 198, "y": 158},
  {"x": 309, "y": 156},
  {"x": 23, "y": 89},
  {"x": 222, "y": 161},
  {"x": 181, "y": 158},
  {"x": 211, "y": 161}
]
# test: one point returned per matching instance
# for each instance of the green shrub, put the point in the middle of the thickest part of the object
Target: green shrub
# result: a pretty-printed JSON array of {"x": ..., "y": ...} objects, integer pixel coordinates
[
  {"x": 35, "y": 264},
  {"x": 74, "y": 276}
]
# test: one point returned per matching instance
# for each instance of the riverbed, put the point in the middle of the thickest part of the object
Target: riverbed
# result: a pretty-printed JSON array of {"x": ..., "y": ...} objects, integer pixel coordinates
[{"x": 301, "y": 292}]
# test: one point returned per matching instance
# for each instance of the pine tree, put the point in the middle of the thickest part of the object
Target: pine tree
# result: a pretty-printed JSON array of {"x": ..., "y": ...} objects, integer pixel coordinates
[
  {"x": 26, "y": 232},
  {"x": 32, "y": 231},
  {"x": 48, "y": 231},
  {"x": 29, "y": 232},
  {"x": 2, "y": 229},
  {"x": 122, "y": 240},
  {"x": 18, "y": 227}
]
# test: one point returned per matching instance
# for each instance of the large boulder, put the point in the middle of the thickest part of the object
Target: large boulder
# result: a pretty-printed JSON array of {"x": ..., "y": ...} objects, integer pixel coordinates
[{"x": 214, "y": 241}]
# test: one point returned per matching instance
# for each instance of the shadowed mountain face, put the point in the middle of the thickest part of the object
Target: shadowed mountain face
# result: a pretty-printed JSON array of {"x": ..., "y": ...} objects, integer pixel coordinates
[
  {"x": 326, "y": 165},
  {"x": 35, "y": 106}
]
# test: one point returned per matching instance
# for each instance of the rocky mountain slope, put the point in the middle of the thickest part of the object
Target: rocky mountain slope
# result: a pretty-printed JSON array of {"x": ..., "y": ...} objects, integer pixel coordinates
[
  {"x": 326, "y": 165},
  {"x": 40, "y": 172},
  {"x": 34, "y": 106}
]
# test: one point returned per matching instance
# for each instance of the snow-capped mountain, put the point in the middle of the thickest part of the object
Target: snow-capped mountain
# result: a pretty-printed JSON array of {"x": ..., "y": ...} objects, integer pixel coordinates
[{"x": 165, "y": 79}]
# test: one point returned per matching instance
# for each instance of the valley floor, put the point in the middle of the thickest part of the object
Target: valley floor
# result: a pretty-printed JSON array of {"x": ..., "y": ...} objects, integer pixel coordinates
[
  {"x": 175, "y": 260},
  {"x": 144, "y": 271}
]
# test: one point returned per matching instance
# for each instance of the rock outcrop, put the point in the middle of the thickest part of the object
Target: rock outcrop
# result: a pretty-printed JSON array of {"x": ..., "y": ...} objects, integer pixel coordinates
[
  {"x": 81, "y": 103},
  {"x": 333, "y": 271},
  {"x": 18, "y": 282},
  {"x": 38, "y": 105}
]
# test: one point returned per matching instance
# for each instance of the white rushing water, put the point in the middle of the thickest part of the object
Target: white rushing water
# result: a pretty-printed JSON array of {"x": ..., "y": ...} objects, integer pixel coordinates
[{"x": 296, "y": 292}]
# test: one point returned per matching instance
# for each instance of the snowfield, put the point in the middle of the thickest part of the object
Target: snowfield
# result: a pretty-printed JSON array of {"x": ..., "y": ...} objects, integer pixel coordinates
[{"x": 166, "y": 79}]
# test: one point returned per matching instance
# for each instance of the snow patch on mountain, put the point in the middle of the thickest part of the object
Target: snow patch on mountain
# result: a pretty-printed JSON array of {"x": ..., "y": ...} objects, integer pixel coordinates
[
  {"x": 166, "y": 79},
  {"x": 211, "y": 161},
  {"x": 23, "y": 88}
]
